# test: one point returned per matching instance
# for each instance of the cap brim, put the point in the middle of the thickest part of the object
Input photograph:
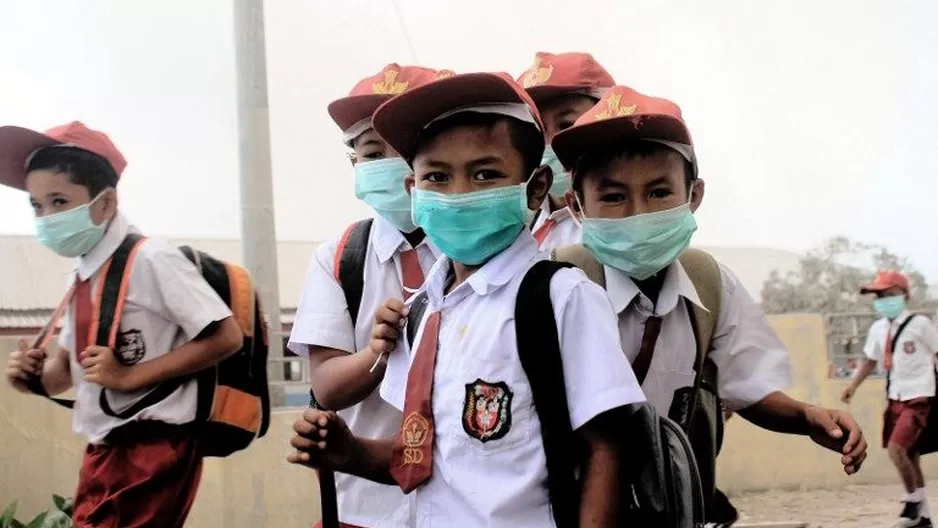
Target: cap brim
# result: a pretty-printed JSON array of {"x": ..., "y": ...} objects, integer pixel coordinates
[
  {"x": 571, "y": 144},
  {"x": 874, "y": 288},
  {"x": 350, "y": 110},
  {"x": 542, "y": 94},
  {"x": 16, "y": 144},
  {"x": 400, "y": 120}
]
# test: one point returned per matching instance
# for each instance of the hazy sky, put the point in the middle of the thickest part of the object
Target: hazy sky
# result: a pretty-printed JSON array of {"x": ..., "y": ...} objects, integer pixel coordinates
[{"x": 811, "y": 119}]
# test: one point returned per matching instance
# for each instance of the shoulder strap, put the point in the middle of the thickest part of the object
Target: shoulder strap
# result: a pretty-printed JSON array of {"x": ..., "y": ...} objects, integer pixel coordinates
[
  {"x": 895, "y": 337},
  {"x": 349, "y": 264},
  {"x": 34, "y": 383},
  {"x": 539, "y": 352},
  {"x": 581, "y": 257},
  {"x": 112, "y": 292},
  {"x": 417, "y": 308}
]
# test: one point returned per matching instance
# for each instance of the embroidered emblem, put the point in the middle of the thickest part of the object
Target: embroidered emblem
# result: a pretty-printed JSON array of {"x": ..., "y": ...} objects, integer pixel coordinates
[
  {"x": 487, "y": 410},
  {"x": 130, "y": 347},
  {"x": 390, "y": 85},
  {"x": 908, "y": 347},
  {"x": 444, "y": 74},
  {"x": 414, "y": 434},
  {"x": 538, "y": 74},
  {"x": 614, "y": 108}
]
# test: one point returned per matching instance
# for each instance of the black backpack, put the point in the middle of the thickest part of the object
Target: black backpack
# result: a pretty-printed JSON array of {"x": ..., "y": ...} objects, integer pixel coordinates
[
  {"x": 664, "y": 488},
  {"x": 233, "y": 399}
]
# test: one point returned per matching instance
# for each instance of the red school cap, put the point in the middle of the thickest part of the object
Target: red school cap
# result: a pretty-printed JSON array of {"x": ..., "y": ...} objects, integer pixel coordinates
[
  {"x": 371, "y": 92},
  {"x": 17, "y": 145},
  {"x": 624, "y": 114},
  {"x": 400, "y": 120},
  {"x": 558, "y": 74},
  {"x": 885, "y": 280}
]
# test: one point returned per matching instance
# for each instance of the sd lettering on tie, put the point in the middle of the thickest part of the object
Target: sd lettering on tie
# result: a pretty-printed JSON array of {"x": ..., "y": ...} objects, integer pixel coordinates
[{"x": 414, "y": 436}]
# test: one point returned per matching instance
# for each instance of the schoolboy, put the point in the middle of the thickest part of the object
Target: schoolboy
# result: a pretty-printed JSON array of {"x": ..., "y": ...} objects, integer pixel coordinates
[
  {"x": 472, "y": 454},
  {"x": 635, "y": 179},
  {"x": 343, "y": 371},
  {"x": 141, "y": 468},
  {"x": 563, "y": 86},
  {"x": 906, "y": 344}
]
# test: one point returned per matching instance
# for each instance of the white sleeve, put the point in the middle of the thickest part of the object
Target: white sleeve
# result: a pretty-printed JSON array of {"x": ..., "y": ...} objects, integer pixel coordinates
[
  {"x": 186, "y": 298},
  {"x": 751, "y": 360},
  {"x": 930, "y": 336},
  {"x": 873, "y": 348},
  {"x": 322, "y": 315},
  {"x": 597, "y": 375}
]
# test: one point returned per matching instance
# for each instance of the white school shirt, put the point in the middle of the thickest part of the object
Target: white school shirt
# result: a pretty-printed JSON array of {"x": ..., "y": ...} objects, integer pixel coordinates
[
  {"x": 168, "y": 303},
  {"x": 501, "y": 482},
  {"x": 322, "y": 319},
  {"x": 567, "y": 230},
  {"x": 913, "y": 360},
  {"x": 750, "y": 359}
]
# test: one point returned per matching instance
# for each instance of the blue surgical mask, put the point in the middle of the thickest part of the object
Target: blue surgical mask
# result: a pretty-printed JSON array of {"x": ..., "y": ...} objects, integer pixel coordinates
[
  {"x": 890, "y": 307},
  {"x": 561, "y": 183},
  {"x": 641, "y": 245},
  {"x": 70, "y": 233},
  {"x": 380, "y": 184},
  {"x": 471, "y": 228}
]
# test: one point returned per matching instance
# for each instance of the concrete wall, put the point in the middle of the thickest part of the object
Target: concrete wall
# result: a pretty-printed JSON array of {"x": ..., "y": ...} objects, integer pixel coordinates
[{"x": 40, "y": 456}]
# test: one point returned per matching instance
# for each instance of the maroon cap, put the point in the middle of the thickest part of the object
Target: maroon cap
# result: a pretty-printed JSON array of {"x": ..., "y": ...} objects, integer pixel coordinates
[
  {"x": 372, "y": 91},
  {"x": 400, "y": 120},
  {"x": 17, "y": 144},
  {"x": 563, "y": 73},
  {"x": 623, "y": 114},
  {"x": 885, "y": 280}
]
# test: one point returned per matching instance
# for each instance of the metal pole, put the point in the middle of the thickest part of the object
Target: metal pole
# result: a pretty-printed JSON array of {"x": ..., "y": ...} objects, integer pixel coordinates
[{"x": 258, "y": 236}]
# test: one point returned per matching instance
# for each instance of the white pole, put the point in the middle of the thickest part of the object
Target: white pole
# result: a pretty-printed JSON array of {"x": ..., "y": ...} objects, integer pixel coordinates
[{"x": 258, "y": 236}]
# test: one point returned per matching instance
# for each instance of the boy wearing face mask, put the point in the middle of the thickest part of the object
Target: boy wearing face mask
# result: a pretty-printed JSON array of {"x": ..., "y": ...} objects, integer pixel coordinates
[
  {"x": 393, "y": 258},
  {"x": 906, "y": 344},
  {"x": 563, "y": 86},
  {"x": 142, "y": 470},
  {"x": 635, "y": 179},
  {"x": 469, "y": 446}
]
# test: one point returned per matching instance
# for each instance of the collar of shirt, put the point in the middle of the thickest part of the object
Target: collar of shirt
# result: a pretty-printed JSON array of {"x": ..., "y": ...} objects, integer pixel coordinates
[
  {"x": 92, "y": 261},
  {"x": 387, "y": 240},
  {"x": 544, "y": 214},
  {"x": 495, "y": 273},
  {"x": 622, "y": 290},
  {"x": 897, "y": 322}
]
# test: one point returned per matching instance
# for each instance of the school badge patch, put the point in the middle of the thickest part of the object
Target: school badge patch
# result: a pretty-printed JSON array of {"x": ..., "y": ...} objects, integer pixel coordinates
[
  {"x": 487, "y": 410},
  {"x": 130, "y": 347},
  {"x": 908, "y": 347}
]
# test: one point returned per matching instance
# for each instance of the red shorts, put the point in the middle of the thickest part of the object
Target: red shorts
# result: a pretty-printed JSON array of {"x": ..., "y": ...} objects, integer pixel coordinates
[
  {"x": 904, "y": 421},
  {"x": 145, "y": 476},
  {"x": 341, "y": 525}
]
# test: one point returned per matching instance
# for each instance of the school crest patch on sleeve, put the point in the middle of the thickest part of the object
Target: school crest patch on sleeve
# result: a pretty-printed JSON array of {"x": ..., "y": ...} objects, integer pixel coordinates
[
  {"x": 487, "y": 410},
  {"x": 909, "y": 347},
  {"x": 130, "y": 347}
]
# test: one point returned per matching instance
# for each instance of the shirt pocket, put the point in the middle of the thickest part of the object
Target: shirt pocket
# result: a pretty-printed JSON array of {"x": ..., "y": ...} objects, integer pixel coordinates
[{"x": 496, "y": 407}]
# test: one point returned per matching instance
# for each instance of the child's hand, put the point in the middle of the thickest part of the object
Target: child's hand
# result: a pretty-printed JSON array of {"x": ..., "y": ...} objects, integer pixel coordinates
[
  {"x": 389, "y": 320},
  {"x": 101, "y": 367},
  {"x": 24, "y": 362},
  {"x": 323, "y": 440}
]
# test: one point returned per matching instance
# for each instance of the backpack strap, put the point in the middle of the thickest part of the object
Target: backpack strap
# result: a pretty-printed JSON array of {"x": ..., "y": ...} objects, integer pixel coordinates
[
  {"x": 895, "y": 341},
  {"x": 581, "y": 257},
  {"x": 349, "y": 264},
  {"x": 34, "y": 382},
  {"x": 539, "y": 352},
  {"x": 704, "y": 273},
  {"x": 418, "y": 307}
]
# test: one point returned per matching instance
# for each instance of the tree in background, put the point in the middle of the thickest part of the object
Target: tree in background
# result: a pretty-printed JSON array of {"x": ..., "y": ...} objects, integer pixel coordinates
[{"x": 829, "y": 278}]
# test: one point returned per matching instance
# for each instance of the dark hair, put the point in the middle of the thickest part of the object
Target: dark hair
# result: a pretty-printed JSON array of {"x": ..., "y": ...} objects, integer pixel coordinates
[
  {"x": 525, "y": 137},
  {"x": 636, "y": 148},
  {"x": 83, "y": 167}
]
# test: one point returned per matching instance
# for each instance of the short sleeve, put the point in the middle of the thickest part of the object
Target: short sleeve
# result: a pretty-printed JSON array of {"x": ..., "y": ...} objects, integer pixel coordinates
[
  {"x": 322, "y": 315},
  {"x": 597, "y": 374},
  {"x": 930, "y": 336},
  {"x": 875, "y": 339},
  {"x": 186, "y": 298},
  {"x": 751, "y": 360}
]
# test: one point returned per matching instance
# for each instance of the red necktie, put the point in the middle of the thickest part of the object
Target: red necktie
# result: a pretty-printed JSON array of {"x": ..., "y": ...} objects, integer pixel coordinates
[
  {"x": 887, "y": 355},
  {"x": 82, "y": 316},
  {"x": 544, "y": 230},
  {"x": 412, "y": 452},
  {"x": 411, "y": 273}
]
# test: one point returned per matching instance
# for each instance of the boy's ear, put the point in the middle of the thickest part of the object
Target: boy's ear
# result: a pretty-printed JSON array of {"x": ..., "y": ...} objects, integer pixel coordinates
[
  {"x": 696, "y": 194},
  {"x": 409, "y": 182},
  {"x": 538, "y": 186}
]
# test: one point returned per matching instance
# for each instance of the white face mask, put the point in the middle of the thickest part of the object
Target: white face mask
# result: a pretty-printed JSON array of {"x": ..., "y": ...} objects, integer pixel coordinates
[{"x": 70, "y": 233}]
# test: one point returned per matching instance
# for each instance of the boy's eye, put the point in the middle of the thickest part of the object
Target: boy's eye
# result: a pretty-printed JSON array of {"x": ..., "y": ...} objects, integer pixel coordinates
[
  {"x": 371, "y": 156},
  {"x": 485, "y": 175},
  {"x": 59, "y": 202},
  {"x": 612, "y": 198},
  {"x": 434, "y": 177},
  {"x": 660, "y": 193}
]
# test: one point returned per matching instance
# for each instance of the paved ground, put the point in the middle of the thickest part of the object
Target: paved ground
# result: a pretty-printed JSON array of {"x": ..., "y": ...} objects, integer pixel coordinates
[{"x": 861, "y": 506}]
